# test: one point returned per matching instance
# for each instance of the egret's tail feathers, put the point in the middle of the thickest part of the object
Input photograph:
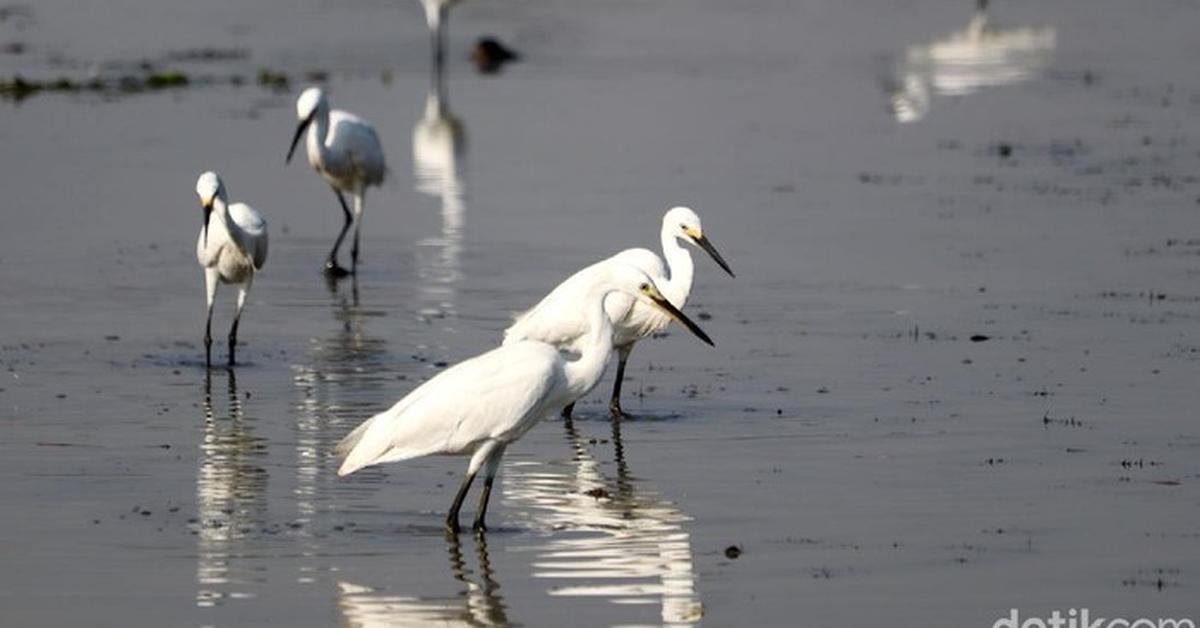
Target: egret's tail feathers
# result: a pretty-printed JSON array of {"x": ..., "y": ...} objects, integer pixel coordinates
[
  {"x": 382, "y": 439},
  {"x": 516, "y": 331},
  {"x": 369, "y": 453},
  {"x": 347, "y": 468},
  {"x": 357, "y": 457},
  {"x": 342, "y": 449}
]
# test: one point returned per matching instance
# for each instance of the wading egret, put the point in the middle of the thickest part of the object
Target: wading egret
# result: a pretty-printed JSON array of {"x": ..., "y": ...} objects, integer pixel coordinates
[
  {"x": 231, "y": 248},
  {"x": 481, "y": 405},
  {"x": 344, "y": 149},
  {"x": 558, "y": 319}
]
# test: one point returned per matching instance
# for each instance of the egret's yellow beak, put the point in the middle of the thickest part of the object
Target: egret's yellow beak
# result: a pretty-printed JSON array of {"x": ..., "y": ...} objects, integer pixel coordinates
[
  {"x": 656, "y": 297},
  {"x": 702, "y": 241}
]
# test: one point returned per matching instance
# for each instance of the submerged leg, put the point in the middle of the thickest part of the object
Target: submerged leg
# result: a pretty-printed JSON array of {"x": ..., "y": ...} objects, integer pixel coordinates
[
  {"x": 480, "y": 456},
  {"x": 243, "y": 290},
  {"x": 493, "y": 465},
  {"x": 359, "y": 201},
  {"x": 331, "y": 264},
  {"x": 211, "y": 279},
  {"x": 456, "y": 505},
  {"x": 614, "y": 404}
]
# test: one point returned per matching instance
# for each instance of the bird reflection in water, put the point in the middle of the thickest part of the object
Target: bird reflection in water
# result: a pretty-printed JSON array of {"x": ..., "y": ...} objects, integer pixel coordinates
[
  {"x": 342, "y": 377},
  {"x": 610, "y": 536},
  {"x": 478, "y": 604},
  {"x": 979, "y": 56},
  {"x": 231, "y": 496},
  {"x": 438, "y": 145}
]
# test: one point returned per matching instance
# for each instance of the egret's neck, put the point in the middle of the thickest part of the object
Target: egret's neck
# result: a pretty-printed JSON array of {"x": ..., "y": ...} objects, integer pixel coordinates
[
  {"x": 680, "y": 269},
  {"x": 317, "y": 153},
  {"x": 584, "y": 372},
  {"x": 221, "y": 212}
]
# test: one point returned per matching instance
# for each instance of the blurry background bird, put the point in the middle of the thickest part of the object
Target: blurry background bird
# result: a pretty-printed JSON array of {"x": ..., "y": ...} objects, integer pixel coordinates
[{"x": 345, "y": 150}]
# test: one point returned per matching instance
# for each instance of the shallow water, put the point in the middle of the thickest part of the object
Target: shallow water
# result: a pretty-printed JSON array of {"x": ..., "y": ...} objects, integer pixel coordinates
[{"x": 954, "y": 375}]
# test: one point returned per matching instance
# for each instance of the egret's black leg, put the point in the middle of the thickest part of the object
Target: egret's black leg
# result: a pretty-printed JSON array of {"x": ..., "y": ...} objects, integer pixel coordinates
[
  {"x": 232, "y": 340},
  {"x": 354, "y": 247},
  {"x": 493, "y": 465},
  {"x": 614, "y": 404},
  {"x": 481, "y": 512},
  {"x": 567, "y": 411},
  {"x": 456, "y": 505},
  {"x": 208, "y": 339},
  {"x": 331, "y": 264}
]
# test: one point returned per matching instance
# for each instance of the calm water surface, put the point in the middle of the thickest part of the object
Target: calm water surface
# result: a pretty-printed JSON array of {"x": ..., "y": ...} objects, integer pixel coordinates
[{"x": 955, "y": 374}]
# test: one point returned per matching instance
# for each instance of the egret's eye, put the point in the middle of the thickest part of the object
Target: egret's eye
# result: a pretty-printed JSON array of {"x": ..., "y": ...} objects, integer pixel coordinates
[{"x": 644, "y": 287}]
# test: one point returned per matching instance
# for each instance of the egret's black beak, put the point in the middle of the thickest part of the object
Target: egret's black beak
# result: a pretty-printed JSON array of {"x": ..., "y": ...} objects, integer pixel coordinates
[
  {"x": 296, "y": 138},
  {"x": 702, "y": 242},
  {"x": 662, "y": 302},
  {"x": 207, "y": 212}
]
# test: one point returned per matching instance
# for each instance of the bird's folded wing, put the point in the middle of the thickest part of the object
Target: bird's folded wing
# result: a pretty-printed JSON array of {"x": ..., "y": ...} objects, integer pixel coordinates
[{"x": 485, "y": 397}]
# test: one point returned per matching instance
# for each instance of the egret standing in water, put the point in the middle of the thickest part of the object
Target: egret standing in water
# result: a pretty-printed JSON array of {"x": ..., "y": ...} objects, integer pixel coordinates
[
  {"x": 481, "y": 405},
  {"x": 558, "y": 319},
  {"x": 232, "y": 248},
  {"x": 344, "y": 149}
]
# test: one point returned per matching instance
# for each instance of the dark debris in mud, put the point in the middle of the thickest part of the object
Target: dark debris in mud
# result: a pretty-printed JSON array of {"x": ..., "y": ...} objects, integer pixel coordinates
[
  {"x": 18, "y": 88},
  {"x": 1158, "y": 578},
  {"x": 208, "y": 55},
  {"x": 1048, "y": 420}
]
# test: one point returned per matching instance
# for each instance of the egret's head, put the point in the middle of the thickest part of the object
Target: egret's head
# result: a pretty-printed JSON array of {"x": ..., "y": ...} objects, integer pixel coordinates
[
  {"x": 638, "y": 284},
  {"x": 308, "y": 104},
  {"x": 686, "y": 225},
  {"x": 209, "y": 188}
]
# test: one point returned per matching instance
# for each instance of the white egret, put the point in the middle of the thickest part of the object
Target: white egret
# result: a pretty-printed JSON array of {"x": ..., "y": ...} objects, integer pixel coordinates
[
  {"x": 232, "y": 249},
  {"x": 345, "y": 150},
  {"x": 558, "y": 320},
  {"x": 481, "y": 405}
]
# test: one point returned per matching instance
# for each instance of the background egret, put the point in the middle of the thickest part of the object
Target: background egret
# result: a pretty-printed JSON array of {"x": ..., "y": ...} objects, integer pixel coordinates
[
  {"x": 231, "y": 249},
  {"x": 345, "y": 150},
  {"x": 481, "y": 405},
  {"x": 558, "y": 319}
]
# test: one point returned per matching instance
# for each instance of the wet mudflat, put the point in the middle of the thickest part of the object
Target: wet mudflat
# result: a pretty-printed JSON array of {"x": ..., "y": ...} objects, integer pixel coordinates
[{"x": 956, "y": 373}]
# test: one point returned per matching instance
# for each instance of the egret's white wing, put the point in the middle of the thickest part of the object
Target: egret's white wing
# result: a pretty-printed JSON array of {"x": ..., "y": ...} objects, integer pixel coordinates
[
  {"x": 358, "y": 138},
  {"x": 492, "y": 395},
  {"x": 644, "y": 260},
  {"x": 252, "y": 223},
  {"x": 559, "y": 318}
]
